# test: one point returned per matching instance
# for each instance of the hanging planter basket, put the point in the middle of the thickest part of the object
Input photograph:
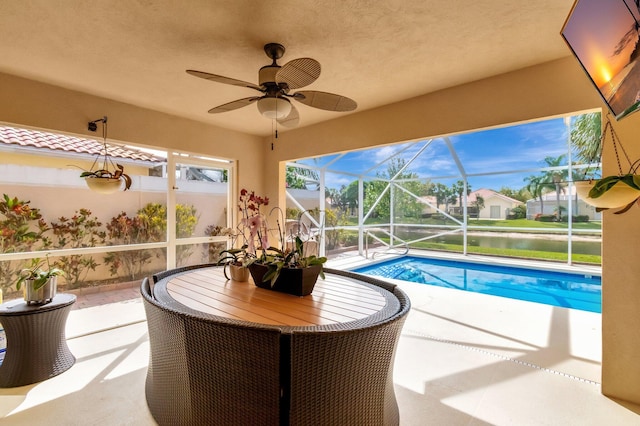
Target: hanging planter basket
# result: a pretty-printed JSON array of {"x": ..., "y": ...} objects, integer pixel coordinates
[
  {"x": 613, "y": 191},
  {"x": 108, "y": 178},
  {"x": 619, "y": 195},
  {"x": 103, "y": 185}
]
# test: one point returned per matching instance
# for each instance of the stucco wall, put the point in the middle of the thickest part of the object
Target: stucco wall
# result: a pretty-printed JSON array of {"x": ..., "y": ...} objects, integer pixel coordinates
[
  {"x": 540, "y": 91},
  {"x": 503, "y": 205}
]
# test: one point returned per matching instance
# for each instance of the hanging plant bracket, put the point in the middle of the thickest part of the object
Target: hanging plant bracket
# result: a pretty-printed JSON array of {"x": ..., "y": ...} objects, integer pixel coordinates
[{"x": 108, "y": 177}]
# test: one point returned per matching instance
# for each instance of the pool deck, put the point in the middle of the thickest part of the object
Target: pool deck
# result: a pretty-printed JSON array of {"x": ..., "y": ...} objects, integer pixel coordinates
[
  {"x": 519, "y": 331},
  {"x": 463, "y": 359},
  {"x": 469, "y": 359}
]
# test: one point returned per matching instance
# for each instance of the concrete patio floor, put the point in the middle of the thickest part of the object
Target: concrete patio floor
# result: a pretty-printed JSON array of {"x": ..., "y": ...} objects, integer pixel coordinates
[{"x": 463, "y": 359}]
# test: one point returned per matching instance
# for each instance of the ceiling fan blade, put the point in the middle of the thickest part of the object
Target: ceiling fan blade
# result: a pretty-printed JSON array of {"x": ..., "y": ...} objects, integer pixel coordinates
[
  {"x": 239, "y": 103},
  {"x": 298, "y": 73},
  {"x": 223, "y": 80},
  {"x": 326, "y": 101},
  {"x": 290, "y": 120}
]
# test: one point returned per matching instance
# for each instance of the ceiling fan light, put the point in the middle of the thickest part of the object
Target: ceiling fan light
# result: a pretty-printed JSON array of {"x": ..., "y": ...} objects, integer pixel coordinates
[{"x": 274, "y": 108}]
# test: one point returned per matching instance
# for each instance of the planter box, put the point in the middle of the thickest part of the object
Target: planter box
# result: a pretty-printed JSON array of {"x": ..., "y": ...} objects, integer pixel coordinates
[{"x": 296, "y": 281}]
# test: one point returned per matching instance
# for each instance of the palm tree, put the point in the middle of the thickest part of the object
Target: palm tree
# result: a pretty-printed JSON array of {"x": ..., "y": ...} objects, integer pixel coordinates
[
  {"x": 458, "y": 188},
  {"x": 556, "y": 178},
  {"x": 442, "y": 194},
  {"x": 478, "y": 204},
  {"x": 536, "y": 187},
  {"x": 585, "y": 138}
]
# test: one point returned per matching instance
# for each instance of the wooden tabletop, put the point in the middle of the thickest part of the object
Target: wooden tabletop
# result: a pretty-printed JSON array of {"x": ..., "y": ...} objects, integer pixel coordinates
[{"x": 336, "y": 299}]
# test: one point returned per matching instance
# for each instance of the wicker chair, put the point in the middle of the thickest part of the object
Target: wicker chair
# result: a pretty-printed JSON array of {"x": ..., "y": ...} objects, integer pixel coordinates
[
  {"x": 345, "y": 377},
  {"x": 160, "y": 275},
  {"x": 205, "y": 369},
  {"x": 210, "y": 370}
]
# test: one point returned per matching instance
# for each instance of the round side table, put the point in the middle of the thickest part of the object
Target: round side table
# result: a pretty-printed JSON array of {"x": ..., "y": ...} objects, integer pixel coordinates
[{"x": 36, "y": 343}]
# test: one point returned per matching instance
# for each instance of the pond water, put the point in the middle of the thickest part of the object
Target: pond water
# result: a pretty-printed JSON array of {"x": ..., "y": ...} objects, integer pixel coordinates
[{"x": 550, "y": 243}]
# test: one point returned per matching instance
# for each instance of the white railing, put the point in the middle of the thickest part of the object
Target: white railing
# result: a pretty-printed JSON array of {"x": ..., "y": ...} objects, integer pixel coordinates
[{"x": 390, "y": 249}]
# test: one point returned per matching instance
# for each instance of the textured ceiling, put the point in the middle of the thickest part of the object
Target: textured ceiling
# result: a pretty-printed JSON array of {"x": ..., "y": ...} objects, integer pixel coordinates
[{"x": 375, "y": 52}]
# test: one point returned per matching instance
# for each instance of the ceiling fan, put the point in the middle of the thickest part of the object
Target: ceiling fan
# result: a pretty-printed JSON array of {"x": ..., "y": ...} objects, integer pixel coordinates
[{"x": 276, "y": 83}]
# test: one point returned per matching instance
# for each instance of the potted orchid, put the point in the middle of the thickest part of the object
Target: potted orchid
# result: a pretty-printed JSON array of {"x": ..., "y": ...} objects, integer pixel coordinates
[
  {"x": 251, "y": 233},
  {"x": 235, "y": 259},
  {"x": 40, "y": 284},
  {"x": 282, "y": 267}
]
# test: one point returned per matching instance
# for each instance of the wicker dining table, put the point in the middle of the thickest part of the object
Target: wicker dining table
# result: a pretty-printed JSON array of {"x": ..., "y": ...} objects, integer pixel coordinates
[{"x": 229, "y": 352}]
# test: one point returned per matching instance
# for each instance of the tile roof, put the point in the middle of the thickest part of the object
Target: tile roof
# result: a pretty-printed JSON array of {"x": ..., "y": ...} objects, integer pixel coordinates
[{"x": 58, "y": 142}]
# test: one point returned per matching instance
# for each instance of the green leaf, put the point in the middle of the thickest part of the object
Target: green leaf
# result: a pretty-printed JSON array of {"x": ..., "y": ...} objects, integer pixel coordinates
[
  {"x": 312, "y": 260},
  {"x": 273, "y": 273},
  {"x": 629, "y": 180},
  {"x": 603, "y": 185}
]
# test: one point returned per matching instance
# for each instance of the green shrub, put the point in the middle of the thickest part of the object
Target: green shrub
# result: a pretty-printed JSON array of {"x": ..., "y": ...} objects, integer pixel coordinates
[
  {"x": 21, "y": 229},
  {"x": 518, "y": 212},
  {"x": 80, "y": 230},
  {"x": 546, "y": 218},
  {"x": 576, "y": 219}
]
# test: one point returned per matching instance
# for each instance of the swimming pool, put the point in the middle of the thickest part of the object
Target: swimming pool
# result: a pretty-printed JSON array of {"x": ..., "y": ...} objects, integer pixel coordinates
[{"x": 566, "y": 290}]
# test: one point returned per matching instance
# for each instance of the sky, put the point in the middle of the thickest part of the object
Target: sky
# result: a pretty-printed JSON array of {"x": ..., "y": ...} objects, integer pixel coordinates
[{"x": 513, "y": 148}]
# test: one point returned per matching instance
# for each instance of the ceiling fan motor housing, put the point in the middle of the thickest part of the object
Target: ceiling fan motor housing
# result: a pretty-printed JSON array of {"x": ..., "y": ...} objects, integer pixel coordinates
[{"x": 267, "y": 75}]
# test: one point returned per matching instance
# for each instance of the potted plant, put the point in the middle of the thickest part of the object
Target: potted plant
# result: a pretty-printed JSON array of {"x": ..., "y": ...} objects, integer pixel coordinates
[
  {"x": 40, "y": 285},
  {"x": 284, "y": 267},
  {"x": 611, "y": 192},
  {"x": 236, "y": 261},
  {"x": 621, "y": 190},
  {"x": 108, "y": 178},
  {"x": 288, "y": 269},
  {"x": 105, "y": 181}
]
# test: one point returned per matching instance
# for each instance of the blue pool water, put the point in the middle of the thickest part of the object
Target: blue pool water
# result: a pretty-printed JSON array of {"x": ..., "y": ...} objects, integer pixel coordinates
[{"x": 552, "y": 288}]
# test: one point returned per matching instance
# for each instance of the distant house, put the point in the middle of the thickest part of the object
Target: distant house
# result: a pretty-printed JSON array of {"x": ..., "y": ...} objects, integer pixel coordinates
[
  {"x": 496, "y": 205},
  {"x": 549, "y": 205}
]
